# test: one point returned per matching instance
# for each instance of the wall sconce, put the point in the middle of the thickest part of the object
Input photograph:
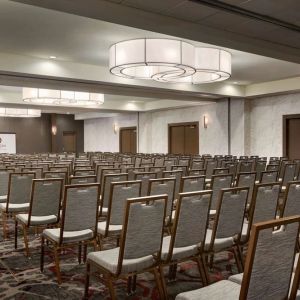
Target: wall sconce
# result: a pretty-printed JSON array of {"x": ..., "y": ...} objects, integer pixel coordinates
[
  {"x": 116, "y": 128},
  {"x": 54, "y": 130},
  {"x": 205, "y": 121}
]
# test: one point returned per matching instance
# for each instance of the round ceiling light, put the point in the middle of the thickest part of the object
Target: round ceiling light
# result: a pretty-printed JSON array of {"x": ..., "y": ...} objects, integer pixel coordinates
[
  {"x": 20, "y": 112},
  {"x": 166, "y": 60},
  {"x": 64, "y": 98},
  {"x": 151, "y": 59}
]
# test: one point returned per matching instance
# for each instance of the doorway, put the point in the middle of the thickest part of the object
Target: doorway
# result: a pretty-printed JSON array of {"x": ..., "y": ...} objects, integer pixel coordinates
[
  {"x": 128, "y": 140},
  {"x": 291, "y": 136},
  {"x": 184, "y": 138},
  {"x": 69, "y": 141}
]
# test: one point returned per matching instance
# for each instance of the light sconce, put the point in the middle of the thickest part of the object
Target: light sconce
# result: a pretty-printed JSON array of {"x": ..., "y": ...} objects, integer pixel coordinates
[
  {"x": 54, "y": 130},
  {"x": 205, "y": 121},
  {"x": 116, "y": 128}
]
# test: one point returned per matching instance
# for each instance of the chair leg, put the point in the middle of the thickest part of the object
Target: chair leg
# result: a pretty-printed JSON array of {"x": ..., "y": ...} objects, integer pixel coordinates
[
  {"x": 158, "y": 283},
  {"x": 134, "y": 283},
  {"x": 26, "y": 240},
  {"x": 4, "y": 224},
  {"x": 129, "y": 284},
  {"x": 79, "y": 252},
  {"x": 204, "y": 263},
  {"x": 42, "y": 254},
  {"x": 163, "y": 281},
  {"x": 84, "y": 252},
  {"x": 201, "y": 270},
  {"x": 211, "y": 261},
  {"x": 237, "y": 260},
  {"x": 57, "y": 267},
  {"x": 111, "y": 288},
  {"x": 240, "y": 252},
  {"x": 87, "y": 281},
  {"x": 16, "y": 234}
]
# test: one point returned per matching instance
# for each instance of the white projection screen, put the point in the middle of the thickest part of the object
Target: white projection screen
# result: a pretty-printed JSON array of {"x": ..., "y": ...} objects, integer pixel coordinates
[{"x": 8, "y": 143}]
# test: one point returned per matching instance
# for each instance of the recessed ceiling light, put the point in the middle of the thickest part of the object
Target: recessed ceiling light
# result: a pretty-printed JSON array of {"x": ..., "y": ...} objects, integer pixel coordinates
[{"x": 52, "y": 57}]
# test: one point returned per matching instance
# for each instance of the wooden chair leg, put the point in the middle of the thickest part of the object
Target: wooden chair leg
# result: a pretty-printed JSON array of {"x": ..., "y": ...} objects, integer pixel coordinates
[
  {"x": 4, "y": 224},
  {"x": 163, "y": 281},
  {"x": 84, "y": 252},
  {"x": 57, "y": 267},
  {"x": 79, "y": 252},
  {"x": 211, "y": 261},
  {"x": 240, "y": 252},
  {"x": 16, "y": 234},
  {"x": 134, "y": 277},
  {"x": 111, "y": 288},
  {"x": 87, "y": 281},
  {"x": 129, "y": 285},
  {"x": 237, "y": 260},
  {"x": 26, "y": 240},
  {"x": 201, "y": 270},
  {"x": 158, "y": 283},
  {"x": 204, "y": 261},
  {"x": 42, "y": 254}
]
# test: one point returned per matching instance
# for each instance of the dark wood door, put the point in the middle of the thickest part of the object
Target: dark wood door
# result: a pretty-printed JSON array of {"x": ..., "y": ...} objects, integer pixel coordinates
[
  {"x": 184, "y": 138},
  {"x": 293, "y": 138},
  {"x": 128, "y": 140},
  {"x": 69, "y": 141}
]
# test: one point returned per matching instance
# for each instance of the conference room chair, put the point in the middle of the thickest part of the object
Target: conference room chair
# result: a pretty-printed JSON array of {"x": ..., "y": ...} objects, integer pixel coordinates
[
  {"x": 76, "y": 227},
  {"x": 84, "y": 172},
  {"x": 210, "y": 164},
  {"x": 145, "y": 178},
  {"x": 187, "y": 239},
  {"x": 184, "y": 169},
  {"x": 192, "y": 183},
  {"x": 140, "y": 245},
  {"x": 260, "y": 166},
  {"x": 159, "y": 161},
  {"x": 57, "y": 174},
  {"x": 38, "y": 171},
  {"x": 227, "y": 225},
  {"x": 43, "y": 210},
  {"x": 268, "y": 176},
  {"x": 158, "y": 170},
  {"x": 18, "y": 197},
  {"x": 247, "y": 180},
  {"x": 120, "y": 192},
  {"x": 177, "y": 174},
  {"x": 196, "y": 172},
  {"x": 197, "y": 164},
  {"x": 4, "y": 179},
  {"x": 146, "y": 165},
  {"x": 99, "y": 168},
  {"x": 273, "y": 167},
  {"x": 289, "y": 171},
  {"x": 268, "y": 267},
  {"x": 107, "y": 171},
  {"x": 232, "y": 166},
  {"x": 220, "y": 171},
  {"x": 132, "y": 170},
  {"x": 245, "y": 166},
  {"x": 108, "y": 178},
  {"x": 125, "y": 166},
  {"x": 168, "y": 163},
  {"x": 291, "y": 201},
  {"x": 83, "y": 179}
]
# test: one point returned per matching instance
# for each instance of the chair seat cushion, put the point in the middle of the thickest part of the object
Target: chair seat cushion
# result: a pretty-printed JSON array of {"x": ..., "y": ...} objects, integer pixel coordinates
[
  {"x": 68, "y": 236},
  {"x": 15, "y": 207},
  {"x": 220, "y": 243},
  {"x": 3, "y": 198},
  {"x": 37, "y": 220},
  {"x": 238, "y": 278},
  {"x": 222, "y": 290},
  {"x": 112, "y": 229},
  {"x": 108, "y": 259},
  {"x": 178, "y": 252}
]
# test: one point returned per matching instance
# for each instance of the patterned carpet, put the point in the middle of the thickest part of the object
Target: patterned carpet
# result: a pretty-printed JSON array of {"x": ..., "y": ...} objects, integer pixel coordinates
[{"x": 35, "y": 285}]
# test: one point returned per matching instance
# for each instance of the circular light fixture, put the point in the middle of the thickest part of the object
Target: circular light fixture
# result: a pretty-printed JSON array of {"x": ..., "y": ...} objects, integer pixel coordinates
[
  {"x": 20, "y": 112},
  {"x": 151, "y": 59},
  {"x": 167, "y": 60},
  {"x": 58, "y": 97}
]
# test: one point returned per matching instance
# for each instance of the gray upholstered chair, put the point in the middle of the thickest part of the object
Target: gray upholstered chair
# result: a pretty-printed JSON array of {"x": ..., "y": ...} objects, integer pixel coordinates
[
  {"x": 247, "y": 179},
  {"x": 159, "y": 161},
  {"x": 188, "y": 234},
  {"x": 219, "y": 182},
  {"x": 145, "y": 177},
  {"x": 57, "y": 174},
  {"x": 228, "y": 223},
  {"x": 84, "y": 172},
  {"x": 158, "y": 170},
  {"x": 177, "y": 174},
  {"x": 196, "y": 172},
  {"x": 37, "y": 170},
  {"x": 291, "y": 202},
  {"x": 197, "y": 164},
  {"x": 288, "y": 174},
  {"x": 220, "y": 171},
  {"x": 131, "y": 172},
  {"x": 4, "y": 179},
  {"x": 184, "y": 169},
  {"x": 83, "y": 179},
  {"x": 18, "y": 197},
  {"x": 245, "y": 166},
  {"x": 192, "y": 184},
  {"x": 106, "y": 188},
  {"x": 140, "y": 246},
  {"x": 44, "y": 207},
  {"x": 78, "y": 224},
  {"x": 260, "y": 166},
  {"x": 99, "y": 167},
  {"x": 268, "y": 268},
  {"x": 210, "y": 164},
  {"x": 268, "y": 176},
  {"x": 164, "y": 186},
  {"x": 120, "y": 192}
]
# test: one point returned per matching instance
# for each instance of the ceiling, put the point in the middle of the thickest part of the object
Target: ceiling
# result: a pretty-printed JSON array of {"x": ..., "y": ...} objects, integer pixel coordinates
[{"x": 80, "y": 40}]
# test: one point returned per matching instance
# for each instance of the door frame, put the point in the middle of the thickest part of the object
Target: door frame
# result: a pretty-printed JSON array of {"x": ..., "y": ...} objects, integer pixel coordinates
[
  {"x": 194, "y": 123},
  {"x": 126, "y": 128},
  {"x": 285, "y": 119},
  {"x": 69, "y": 132}
]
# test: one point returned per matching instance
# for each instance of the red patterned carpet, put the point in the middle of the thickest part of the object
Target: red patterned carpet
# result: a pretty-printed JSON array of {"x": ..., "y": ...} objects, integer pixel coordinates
[{"x": 36, "y": 285}]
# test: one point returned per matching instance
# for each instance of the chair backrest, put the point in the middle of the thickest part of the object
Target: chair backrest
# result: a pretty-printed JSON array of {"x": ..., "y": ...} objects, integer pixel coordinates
[
  {"x": 158, "y": 170},
  {"x": 210, "y": 165},
  {"x": 131, "y": 172},
  {"x": 107, "y": 180},
  {"x": 99, "y": 168},
  {"x": 230, "y": 214},
  {"x": 159, "y": 162},
  {"x": 168, "y": 164},
  {"x": 83, "y": 179},
  {"x": 245, "y": 166},
  {"x": 191, "y": 220},
  {"x": 57, "y": 174},
  {"x": 177, "y": 174},
  {"x": 38, "y": 171},
  {"x": 282, "y": 164},
  {"x": 196, "y": 172},
  {"x": 164, "y": 186},
  {"x": 184, "y": 169},
  {"x": 145, "y": 177},
  {"x": 291, "y": 203},
  {"x": 273, "y": 167},
  {"x": 288, "y": 173},
  {"x": 264, "y": 202},
  {"x": 247, "y": 180},
  {"x": 260, "y": 166},
  {"x": 84, "y": 172},
  {"x": 80, "y": 208},
  {"x": 19, "y": 188},
  {"x": 220, "y": 171},
  {"x": 107, "y": 171},
  {"x": 45, "y": 197},
  {"x": 192, "y": 184},
  {"x": 232, "y": 166},
  {"x": 219, "y": 182},
  {"x": 268, "y": 176},
  {"x": 270, "y": 259},
  {"x": 120, "y": 192},
  {"x": 143, "y": 228},
  {"x": 197, "y": 164},
  {"x": 4, "y": 179}
]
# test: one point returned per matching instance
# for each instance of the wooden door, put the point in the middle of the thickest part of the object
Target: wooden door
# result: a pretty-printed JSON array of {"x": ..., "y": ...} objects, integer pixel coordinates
[
  {"x": 128, "y": 140},
  {"x": 69, "y": 141},
  {"x": 184, "y": 138},
  {"x": 292, "y": 137}
]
